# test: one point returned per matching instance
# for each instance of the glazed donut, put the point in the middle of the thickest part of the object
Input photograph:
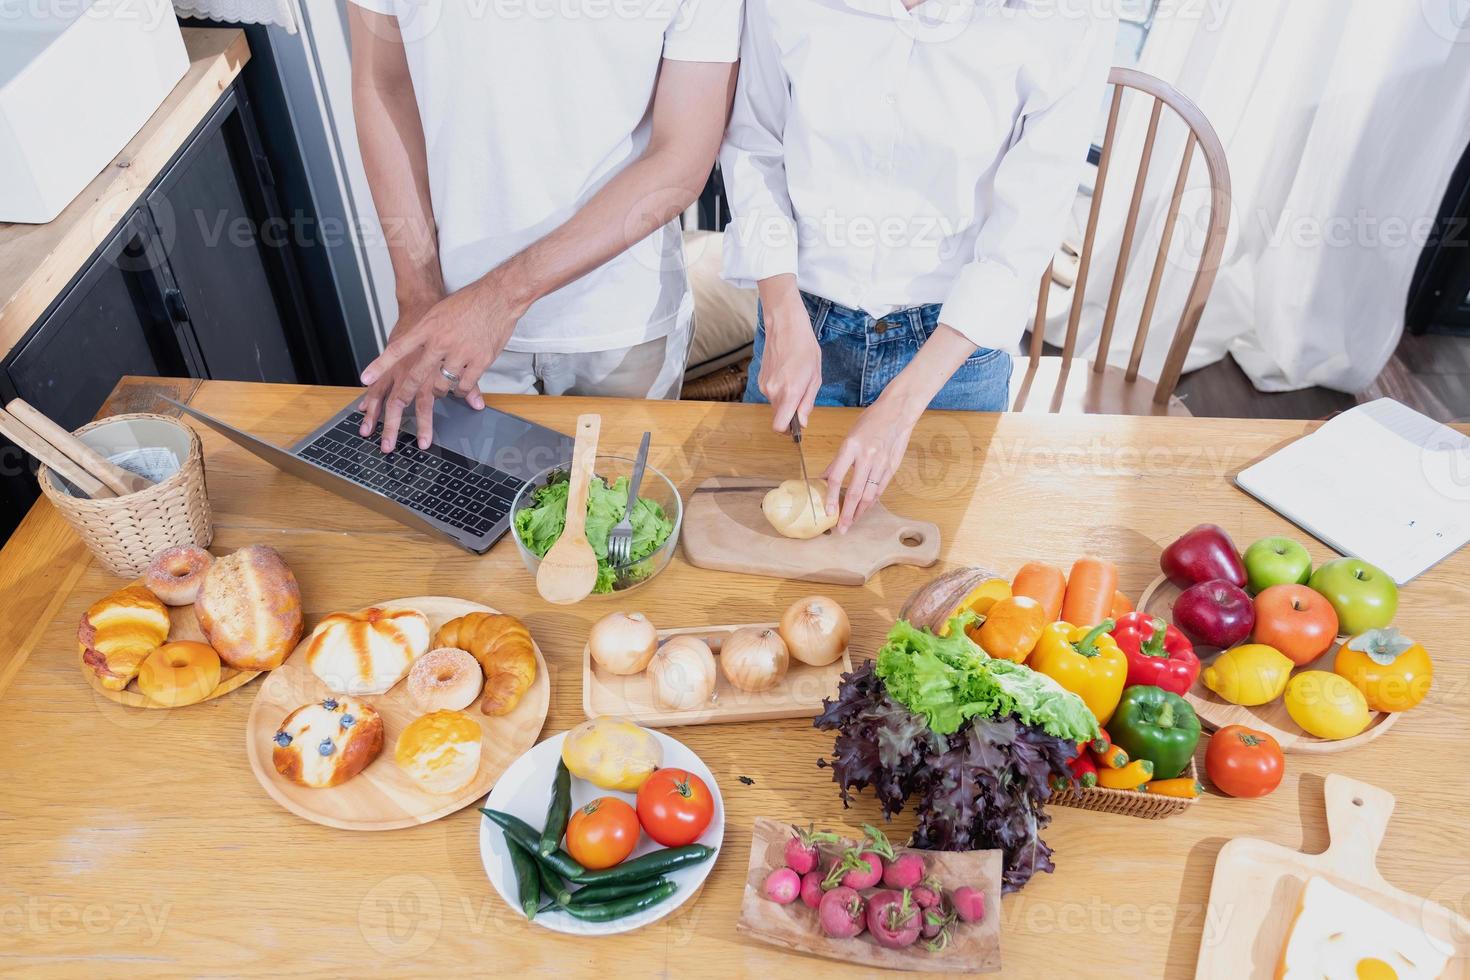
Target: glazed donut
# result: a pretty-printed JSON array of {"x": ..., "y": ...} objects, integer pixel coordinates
[
  {"x": 445, "y": 679},
  {"x": 179, "y": 673},
  {"x": 177, "y": 573}
]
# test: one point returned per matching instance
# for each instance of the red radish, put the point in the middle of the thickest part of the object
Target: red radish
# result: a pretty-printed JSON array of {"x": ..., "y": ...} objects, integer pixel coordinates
[
  {"x": 934, "y": 922},
  {"x": 843, "y": 913},
  {"x": 856, "y": 869},
  {"x": 893, "y": 919},
  {"x": 782, "y": 886},
  {"x": 904, "y": 871},
  {"x": 801, "y": 849},
  {"x": 811, "y": 888},
  {"x": 927, "y": 893},
  {"x": 969, "y": 904}
]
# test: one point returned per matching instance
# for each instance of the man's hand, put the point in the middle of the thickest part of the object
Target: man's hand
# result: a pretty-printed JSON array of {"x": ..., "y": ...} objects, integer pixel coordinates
[
  {"x": 461, "y": 334},
  {"x": 373, "y": 404},
  {"x": 870, "y": 455},
  {"x": 791, "y": 365}
]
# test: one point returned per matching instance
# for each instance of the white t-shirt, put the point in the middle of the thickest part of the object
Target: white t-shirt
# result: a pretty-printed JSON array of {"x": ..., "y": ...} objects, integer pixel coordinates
[{"x": 531, "y": 106}]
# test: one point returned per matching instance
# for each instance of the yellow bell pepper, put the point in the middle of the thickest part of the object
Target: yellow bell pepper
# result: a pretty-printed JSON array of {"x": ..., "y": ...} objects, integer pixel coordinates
[{"x": 1086, "y": 661}]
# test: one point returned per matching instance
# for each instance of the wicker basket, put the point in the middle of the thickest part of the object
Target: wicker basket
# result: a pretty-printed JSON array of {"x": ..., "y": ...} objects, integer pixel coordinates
[
  {"x": 1129, "y": 802},
  {"x": 126, "y": 532}
]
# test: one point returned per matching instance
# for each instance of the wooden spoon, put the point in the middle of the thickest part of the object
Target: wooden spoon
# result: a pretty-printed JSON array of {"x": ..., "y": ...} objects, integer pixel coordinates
[{"x": 569, "y": 570}]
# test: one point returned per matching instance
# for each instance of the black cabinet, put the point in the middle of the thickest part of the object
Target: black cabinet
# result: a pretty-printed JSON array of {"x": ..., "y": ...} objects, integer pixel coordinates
[{"x": 197, "y": 280}]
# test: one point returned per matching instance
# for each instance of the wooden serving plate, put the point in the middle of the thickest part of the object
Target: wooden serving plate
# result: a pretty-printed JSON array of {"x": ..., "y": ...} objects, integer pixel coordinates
[
  {"x": 1258, "y": 886},
  {"x": 725, "y": 529},
  {"x": 799, "y": 695},
  {"x": 1273, "y": 719},
  {"x": 382, "y": 796},
  {"x": 974, "y": 947},
  {"x": 182, "y": 625}
]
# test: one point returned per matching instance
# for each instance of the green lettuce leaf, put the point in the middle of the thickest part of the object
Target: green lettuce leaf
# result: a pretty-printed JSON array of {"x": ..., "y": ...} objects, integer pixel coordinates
[{"x": 948, "y": 679}]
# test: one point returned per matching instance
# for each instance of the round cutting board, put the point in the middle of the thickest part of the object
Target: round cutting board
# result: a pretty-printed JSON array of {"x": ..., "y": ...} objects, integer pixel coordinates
[
  {"x": 1273, "y": 719},
  {"x": 382, "y": 796}
]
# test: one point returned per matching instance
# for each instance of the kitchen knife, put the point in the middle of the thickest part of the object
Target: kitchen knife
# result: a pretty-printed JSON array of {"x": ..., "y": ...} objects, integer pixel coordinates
[{"x": 801, "y": 455}]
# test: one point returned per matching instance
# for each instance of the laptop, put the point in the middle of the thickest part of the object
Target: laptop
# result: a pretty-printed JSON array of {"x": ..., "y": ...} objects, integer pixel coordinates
[{"x": 459, "y": 489}]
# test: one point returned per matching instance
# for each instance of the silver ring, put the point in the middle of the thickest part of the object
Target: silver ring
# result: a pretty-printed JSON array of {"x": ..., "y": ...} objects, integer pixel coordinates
[
  {"x": 874, "y": 482},
  {"x": 450, "y": 375}
]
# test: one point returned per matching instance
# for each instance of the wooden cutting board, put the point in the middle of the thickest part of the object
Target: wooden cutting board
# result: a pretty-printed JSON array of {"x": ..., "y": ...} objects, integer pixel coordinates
[
  {"x": 1258, "y": 886},
  {"x": 382, "y": 796},
  {"x": 725, "y": 530},
  {"x": 974, "y": 947}
]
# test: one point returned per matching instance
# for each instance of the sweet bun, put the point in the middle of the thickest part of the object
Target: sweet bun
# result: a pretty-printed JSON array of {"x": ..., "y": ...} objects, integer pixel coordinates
[
  {"x": 249, "y": 608},
  {"x": 179, "y": 673},
  {"x": 327, "y": 742},
  {"x": 117, "y": 633},
  {"x": 367, "y": 652},
  {"x": 177, "y": 573},
  {"x": 444, "y": 679},
  {"x": 440, "y": 751}
]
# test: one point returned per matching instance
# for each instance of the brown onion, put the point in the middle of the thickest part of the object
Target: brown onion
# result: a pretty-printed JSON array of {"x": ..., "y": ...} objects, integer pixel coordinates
[
  {"x": 816, "y": 630},
  {"x": 622, "y": 643},
  {"x": 682, "y": 673},
  {"x": 754, "y": 658}
]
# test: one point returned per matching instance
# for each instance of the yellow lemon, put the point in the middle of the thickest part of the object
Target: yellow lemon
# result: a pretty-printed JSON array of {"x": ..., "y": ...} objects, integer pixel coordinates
[
  {"x": 1326, "y": 705},
  {"x": 1249, "y": 675},
  {"x": 980, "y": 599}
]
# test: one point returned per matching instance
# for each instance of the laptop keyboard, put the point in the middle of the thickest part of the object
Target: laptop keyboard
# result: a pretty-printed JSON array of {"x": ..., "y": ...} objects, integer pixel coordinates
[{"x": 436, "y": 482}]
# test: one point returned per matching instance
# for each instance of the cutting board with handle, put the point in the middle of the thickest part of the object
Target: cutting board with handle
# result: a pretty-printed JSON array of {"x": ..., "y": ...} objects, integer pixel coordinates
[
  {"x": 725, "y": 530},
  {"x": 1258, "y": 886}
]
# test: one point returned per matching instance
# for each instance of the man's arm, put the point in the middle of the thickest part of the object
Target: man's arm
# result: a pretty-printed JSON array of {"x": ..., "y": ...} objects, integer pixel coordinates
[
  {"x": 391, "y": 137},
  {"x": 467, "y": 330}
]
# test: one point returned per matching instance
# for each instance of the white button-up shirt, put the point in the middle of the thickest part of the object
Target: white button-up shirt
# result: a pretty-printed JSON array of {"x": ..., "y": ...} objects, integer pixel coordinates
[
  {"x": 891, "y": 158},
  {"x": 529, "y": 108}
]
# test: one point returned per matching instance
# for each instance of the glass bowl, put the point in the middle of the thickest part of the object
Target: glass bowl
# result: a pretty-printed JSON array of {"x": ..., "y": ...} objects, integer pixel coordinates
[{"x": 656, "y": 487}]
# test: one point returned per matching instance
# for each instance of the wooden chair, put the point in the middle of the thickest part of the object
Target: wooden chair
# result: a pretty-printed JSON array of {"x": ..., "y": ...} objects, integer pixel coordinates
[{"x": 1052, "y": 384}]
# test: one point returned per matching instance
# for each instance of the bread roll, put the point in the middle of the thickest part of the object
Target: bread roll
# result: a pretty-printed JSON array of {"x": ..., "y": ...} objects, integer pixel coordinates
[
  {"x": 117, "y": 633},
  {"x": 367, "y": 652},
  {"x": 441, "y": 751},
  {"x": 249, "y": 608},
  {"x": 327, "y": 742}
]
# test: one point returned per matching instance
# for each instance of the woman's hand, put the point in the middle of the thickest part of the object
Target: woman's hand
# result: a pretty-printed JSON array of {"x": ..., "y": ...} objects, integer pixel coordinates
[
  {"x": 791, "y": 365},
  {"x": 870, "y": 455}
]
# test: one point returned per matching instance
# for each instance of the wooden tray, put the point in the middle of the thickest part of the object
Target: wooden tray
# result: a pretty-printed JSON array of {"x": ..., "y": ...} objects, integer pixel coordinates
[
  {"x": 182, "y": 625},
  {"x": 1258, "y": 885},
  {"x": 974, "y": 947},
  {"x": 382, "y": 796},
  {"x": 724, "y": 529},
  {"x": 1273, "y": 719},
  {"x": 799, "y": 695}
]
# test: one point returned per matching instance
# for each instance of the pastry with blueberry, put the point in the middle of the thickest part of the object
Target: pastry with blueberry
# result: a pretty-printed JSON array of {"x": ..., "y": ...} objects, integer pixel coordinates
[{"x": 327, "y": 742}]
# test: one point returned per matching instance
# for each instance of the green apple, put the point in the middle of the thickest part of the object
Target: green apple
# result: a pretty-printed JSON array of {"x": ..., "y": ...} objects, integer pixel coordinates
[
  {"x": 1276, "y": 561},
  {"x": 1363, "y": 595}
]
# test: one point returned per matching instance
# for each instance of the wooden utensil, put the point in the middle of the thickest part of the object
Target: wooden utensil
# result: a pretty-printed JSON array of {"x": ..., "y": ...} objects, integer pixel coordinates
[
  {"x": 19, "y": 433},
  {"x": 1273, "y": 719},
  {"x": 383, "y": 796},
  {"x": 1258, "y": 886},
  {"x": 569, "y": 570},
  {"x": 974, "y": 947},
  {"x": 725, "y": 529},
  {"x": 799, "y": 695},
  {"x": 114, "y": 477}
]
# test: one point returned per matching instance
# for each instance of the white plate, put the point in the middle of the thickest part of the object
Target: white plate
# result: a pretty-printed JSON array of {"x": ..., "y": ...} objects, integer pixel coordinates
[{"x": 524, "y": 791}]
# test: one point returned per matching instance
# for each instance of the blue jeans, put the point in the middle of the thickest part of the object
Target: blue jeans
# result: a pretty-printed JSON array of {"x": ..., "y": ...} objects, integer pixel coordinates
[{"x": 861, "y": 355}]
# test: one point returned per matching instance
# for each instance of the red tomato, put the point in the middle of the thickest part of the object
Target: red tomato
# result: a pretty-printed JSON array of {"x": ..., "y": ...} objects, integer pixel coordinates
[
  {"x": 1243, "y": 762},
  {"x": 674, "y": 807},
  {"x": 602, "y": 833}
]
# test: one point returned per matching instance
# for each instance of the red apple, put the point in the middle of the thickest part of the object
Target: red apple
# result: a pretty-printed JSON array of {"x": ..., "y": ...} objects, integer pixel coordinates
[
  {"x": 1296, "y": 620},
  {"x": 1202, "y": 555},
  {"x": 1216, "y": 613}
]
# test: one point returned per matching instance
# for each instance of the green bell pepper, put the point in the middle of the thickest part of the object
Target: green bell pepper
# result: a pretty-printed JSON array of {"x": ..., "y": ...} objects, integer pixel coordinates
[{"x": 1158, "y": 725}]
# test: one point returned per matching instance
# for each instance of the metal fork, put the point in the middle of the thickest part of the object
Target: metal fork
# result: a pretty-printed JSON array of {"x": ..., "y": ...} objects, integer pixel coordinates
[{"x": 620, "y": 538}]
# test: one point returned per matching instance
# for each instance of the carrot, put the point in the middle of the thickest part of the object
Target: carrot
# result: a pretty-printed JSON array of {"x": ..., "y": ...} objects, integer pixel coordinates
[
  {"x": 1044, "y": 583},
  {"x": 1131, "y": 776},
  {"x": 1106, "y": 754},
  {"x": 1090, "y": 590},
  {"x": 1122, "y": 605},
  {"x": 1185, "y": 787}
]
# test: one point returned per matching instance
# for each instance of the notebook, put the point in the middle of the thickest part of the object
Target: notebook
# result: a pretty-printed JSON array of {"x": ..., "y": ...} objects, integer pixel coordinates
[{"x": 1380, "y": 482}]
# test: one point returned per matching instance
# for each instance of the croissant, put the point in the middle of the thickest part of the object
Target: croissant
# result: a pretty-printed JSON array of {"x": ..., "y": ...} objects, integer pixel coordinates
[
  {"x": 117, "y": 633},
  {"x": 503, "y": 646}
]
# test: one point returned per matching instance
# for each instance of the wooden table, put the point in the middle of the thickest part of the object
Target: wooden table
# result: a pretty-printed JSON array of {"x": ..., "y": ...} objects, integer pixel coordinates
[{"x": 138, "y": 842}]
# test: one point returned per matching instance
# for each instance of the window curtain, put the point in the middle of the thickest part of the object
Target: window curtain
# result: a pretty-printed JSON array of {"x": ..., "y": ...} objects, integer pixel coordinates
[{"x": 1342, "y": 121}]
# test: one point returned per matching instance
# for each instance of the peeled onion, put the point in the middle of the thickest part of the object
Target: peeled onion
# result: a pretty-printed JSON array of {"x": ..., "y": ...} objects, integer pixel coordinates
[
  {"x": 754, "y": 658},
  {"x": 798, "y": 509},
  {"x": 816, "y": 630},
  {"x": 622, "y": 643},
  {"x": 682, "y": 673}
]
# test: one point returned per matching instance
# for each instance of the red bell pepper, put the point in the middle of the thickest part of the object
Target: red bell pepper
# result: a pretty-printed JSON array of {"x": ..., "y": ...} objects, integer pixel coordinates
[{"x": 1158, "y": 654}]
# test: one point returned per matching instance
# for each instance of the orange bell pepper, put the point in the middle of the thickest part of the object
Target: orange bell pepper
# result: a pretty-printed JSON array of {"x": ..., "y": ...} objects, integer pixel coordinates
[
  {"x": 1087, "y": 662},
  {"x": 1011, "y": 628}
]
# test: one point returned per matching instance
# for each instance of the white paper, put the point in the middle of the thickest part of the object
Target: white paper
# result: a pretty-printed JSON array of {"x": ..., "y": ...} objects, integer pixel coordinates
[
  {"x": 1380, "y": 482},
  {"x": 153, "y": 463}
]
